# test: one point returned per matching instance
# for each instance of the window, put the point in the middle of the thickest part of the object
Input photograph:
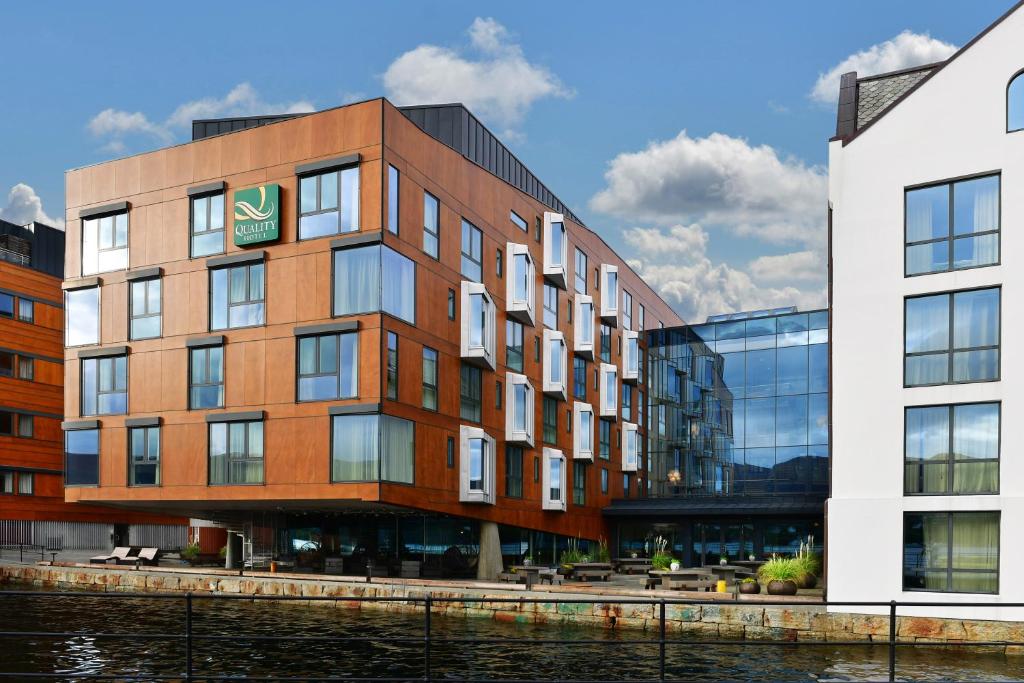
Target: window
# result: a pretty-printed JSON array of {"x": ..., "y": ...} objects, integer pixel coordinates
[
  {"x": 429, "y": 378},
  {"x": 519, "y": 414},
  {"x": 82, "y": 316},
  {"x": 374, "y": 278},
  {"x": 583, "y": 337},
  {"x": 499, "y": 263},
  {"x": 145, "y": 308},
  {"x": 630, "y": 355},
  {"x": 952, "y": 226},
  {"x": 519, "y": 288},
  {"x": 237, "y": 297},
  {"x": 328, "y": 367},
  {"x": 469, "y": 392},
  {"x": 206, "y": 378},
  {"x": 536, "y": 349},
  {"x": 952, "y": 338},
  {"x": 627, "y": 401},
  {"x": 609, "y": 292},
  {"x": 236, "y": 452},
  {"x": 143, "y": 456},
  {"x": 604, "y": 439},
  {"x": 513, "y": 472},
  {"x": 555, "y": 249},
  {"x": 451, "y": 304},
  {"x": 105, "y": 243},
  {"x": 555, "y": 364},
  {"x": 477, "y": 340},
  {"x": 6, "y": 305},
  {"x": 518, "y": 221},
  {"x": 391, "y": 389},
  {"x": 26, "y": 426},
  {"x": 431, "y": 224},
  {"x": 26, "y": 310},
  {"x": 6, "y": 482},
  {"x": 514, "y": 345},
  {"x": 207, "y": 220},
  {"x": 392, "y": 199},
  {"x": 952, "y": 449},
  {"x": 329, "y": 203},
  {"x": 82, "y": 457},
  {"x": 538, "y": 226},
  {"x": 579, "y": 483},
  {"x": 579, "y": 378},
  {"x": 581, "y": 272},
  {"x": 373, "y": 448},
  {"x": 105, "y": 386},
  {"x": 630, "y": 448},
  {"x": 472, "y": 252},
  {"x": 497, "y": 395},
  {"x": 1015, "y": 103},
  {"x": 550, "y": 414},
  {"x": 550, "y": 306},
  {"x": 609, "y": 390},
  {"x": 451, "y": 452},
  {"x": 951, "y": 552},
  {"x": 554, "y": 480},
  {"x": 477, "y": 463},
  {"x": 606, "y": 343},
  {"x": 26, "y": 483},
  {"x": 604, "y": 480},
  {"x": 640, "y": 315},
  {"x": 583, "y": 439},
  {"x": 7, "y": 422},
  {"x": 7, "y": 363},
  {"x": 627, "y": 310}
]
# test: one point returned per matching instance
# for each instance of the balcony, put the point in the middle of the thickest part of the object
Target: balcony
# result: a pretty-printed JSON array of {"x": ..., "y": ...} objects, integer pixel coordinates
[
  {"x": 477, "y": 466},
  {"x": 583, "y": 431},
  {"x": 583, "y": 327},
  {"x": 609, "y": 391},
  {"x": 630, "y": 356},
  {"x": 553, "y": 480},
  {"x": 556, "y": 362},
  {"x": 478, "y": 325},
  {"x": 521, "y": 284},
  {"x": 630, "y": 447},
  {"x": 609, "y": 294},
  {"x": 519, "y": 410},
  {"x": 556, "y": 250}
]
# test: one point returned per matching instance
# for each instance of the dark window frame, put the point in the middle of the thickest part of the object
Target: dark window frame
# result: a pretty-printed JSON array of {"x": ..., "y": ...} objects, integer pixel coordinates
[
  {"x": 208, "y": 196},
  {"x": 394, "y": 199},
  {"x": 205, "y": 351},
  {"x": 471, "y": 378},
  {"x": 145, "y": 448},
  {"x": 1009, "y": 84},
  {"x": 337, "y": 374},
  {"x": 949, "y": 568},
  {"x": 951, "y": 460},
  {"x": 475, "y": 259},
  {"x": 146, "y": 283},
  {"x": 248, "y": 293},
  {"x": 227, "y": 453},
  {"x": 99, "y": 365},
  {"x": 428, "y": 386},
  {"x": 391, "y": 374},
  {"x": 513, "y": 471},
  {"x": 435, "y": 234},
  {"x": 319, "y": 174}
]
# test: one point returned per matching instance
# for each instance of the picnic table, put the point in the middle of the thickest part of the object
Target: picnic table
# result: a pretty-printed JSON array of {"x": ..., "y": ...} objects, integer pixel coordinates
[
  {"x": 692, "y": 578},
  {"x": 530, "y": 571},
  {"x": 751, "y": 565},
  {"x": 632, "y": 565},
  {"x": 726, "y": 572},
  {"x": 584, "y": 571}
]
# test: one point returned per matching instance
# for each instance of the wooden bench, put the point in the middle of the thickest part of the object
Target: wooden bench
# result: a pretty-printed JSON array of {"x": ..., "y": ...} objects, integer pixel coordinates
[
  {"x": 688, "y": 584},
  {"x": 588, "y": 574}
]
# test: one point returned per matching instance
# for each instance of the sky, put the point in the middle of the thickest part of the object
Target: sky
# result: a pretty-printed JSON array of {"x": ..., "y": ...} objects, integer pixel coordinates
[{"x": 691, "y": 136}]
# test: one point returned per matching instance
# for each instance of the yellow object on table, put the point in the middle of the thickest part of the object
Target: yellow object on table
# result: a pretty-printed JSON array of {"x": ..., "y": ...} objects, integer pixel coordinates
[{"x": 721, "y": 588}]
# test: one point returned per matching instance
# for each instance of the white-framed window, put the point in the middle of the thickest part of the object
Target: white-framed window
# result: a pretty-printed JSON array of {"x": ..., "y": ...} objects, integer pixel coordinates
[
  {"x": 477, "y": 463},
  {"x": 556, "y": 249},
  {"x": 478, "y": 320},
  {"x": 553, "y": 479},
  {"x": 609, "y": 390},
  {"x": 555, "y": 365},
  {"x": 519, "y": 411},
  {"x": 583, "y": 327},
  {"x": 105, "y": 243},
  {"x": 521, "y": 284},
  {"x": 583, "y": 431},
  {"x": 630, "y": 447},
  {"x": 609, "y": 293},
  {"x": 630, "y": 356}
]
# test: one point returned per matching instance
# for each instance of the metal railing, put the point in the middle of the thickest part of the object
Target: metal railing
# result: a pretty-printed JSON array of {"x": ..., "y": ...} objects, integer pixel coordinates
[
  {"x": 431, "y": 605},
  {"x": 21, "y": 548}
]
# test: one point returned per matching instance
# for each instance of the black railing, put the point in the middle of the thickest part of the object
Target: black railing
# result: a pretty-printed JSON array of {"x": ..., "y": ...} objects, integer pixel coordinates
[
  {"x": 22, "y": 548},
  {"x": 431, "y": 604}
]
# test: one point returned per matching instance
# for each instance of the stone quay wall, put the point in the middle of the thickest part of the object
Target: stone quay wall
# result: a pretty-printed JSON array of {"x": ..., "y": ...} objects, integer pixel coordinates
[{"x": 746, "y": 619}]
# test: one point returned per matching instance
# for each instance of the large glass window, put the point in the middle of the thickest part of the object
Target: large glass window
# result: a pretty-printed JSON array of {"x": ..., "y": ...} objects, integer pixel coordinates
[
  {"x": 105, "y": 243},
  {"x": 429, "y": 378},
  {"x": 550, "y": 415},
  {"x": 1015, "y": 104},
  {"x": 952, "y": 226},
  {"x": 514, "y": 345},
  {"x": 82, "y": 457},
  {"x": 105, "y": 385},
  {"x": 470, "y": 391},
  {"x": 144, "y": 456},
  {"x": 431, "y": 224},
  {"x": 328, "y": 367},
  {"x": 374, "y": 278},
  {"x": 513, "y": 471},
  {"x": 393, "y": 199},
  {"x": 952, "y": 449},
  {"x": 472, "y": 252},
  {"x": 952, "y": 338},
  {"x": 237, "y": 296},
  {"x": 206, "y": 378},
  {"x": 236, "y": 452},
  {"x": 207, "y": 212},
  {"x": 550, "y": 306},
  {"x": 145, "y": 308},
  {"x": 951, "y": 552},
  {"x": 581, "y": 272},
  {"x": 372, "y": 448},
  {"x": 329, "y": 203},
  {"x": 82, "y": 316},
  {"x": 579, "y": 378}
]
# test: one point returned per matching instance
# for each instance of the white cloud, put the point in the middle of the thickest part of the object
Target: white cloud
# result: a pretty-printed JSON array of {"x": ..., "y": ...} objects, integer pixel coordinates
[
  {"x": 906, "y": 50},
  {"x": 116, "y": 124},
  {"x": 496, "y": 82},
  {"x": 25, "y": 206},
  {"x": 720, "y": 182},
  {"x": 798, "y": 265}
]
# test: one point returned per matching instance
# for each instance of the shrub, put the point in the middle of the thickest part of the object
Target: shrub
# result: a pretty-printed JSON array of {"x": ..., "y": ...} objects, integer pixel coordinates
[
  {"x": 661, "y": 560},
  {"x": 190, "y": 552},
  {"x": 780, "y": 569},
  {"x": 749, "y": 580}
]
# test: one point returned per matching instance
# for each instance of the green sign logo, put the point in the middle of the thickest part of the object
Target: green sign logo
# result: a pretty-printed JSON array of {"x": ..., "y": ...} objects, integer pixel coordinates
[{"x": 257, "y": 215}]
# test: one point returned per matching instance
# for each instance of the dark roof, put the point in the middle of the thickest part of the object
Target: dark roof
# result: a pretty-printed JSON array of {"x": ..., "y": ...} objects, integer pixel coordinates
[
  {"x": 35, "y": 245},
  {"x": 791, "y": 504},
  {"x": 205, "y": 128},
  {"x": 875, "y": 94}
]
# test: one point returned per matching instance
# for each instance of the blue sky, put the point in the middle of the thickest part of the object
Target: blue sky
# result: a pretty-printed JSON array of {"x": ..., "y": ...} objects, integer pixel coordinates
[{"x": 594, "y": 98}]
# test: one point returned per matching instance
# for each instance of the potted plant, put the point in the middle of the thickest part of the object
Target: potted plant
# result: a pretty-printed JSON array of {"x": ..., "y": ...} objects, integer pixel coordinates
[
  {"x": 749, "y": 586},
  {"x": 809, "y": 563},
  {"x": 780, "y": 574},
  {"x": 724, "y": 560},
  {"x": 674, "y": 565},
  {"x": 751, "y": 557},
  {"x": 632, "y": 555},
  {"x": 190, "y": 553},
  {"x": 527, "y": 560}
]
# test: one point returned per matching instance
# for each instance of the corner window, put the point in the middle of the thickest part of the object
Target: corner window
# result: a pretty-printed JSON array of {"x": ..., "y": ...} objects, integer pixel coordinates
[
  {"x": 553, "y": 485},
  {"x": 477, "y": 338},
  {"x": 236, "y": 452},
  {"x": 514, "y": 345},
  {"x": 393, "y": 199},
  {"x": 82, "y": 457},
  {"x": 431, "y": 224},
  {"x": 630, "y": 355},
  {"x": 1015, "y": 103},
  {"x": 470, "y": 390},
  {"x": 391, "y": 379},
  {"x": 374, "y": 278},
  {"x": 145, "y": 308},
  {"x": 206, "y": 378},
  {"x": 952, "y": 338},
  {"x": 105, "y": 243},
  {"x": 429, "y": 378},
  {"x": 513, "y": 472},
  {"x": 207, "y": 214},
  {"x": 630, "y": 448},
  {"x": 555, "y": 364},
  {"x": 951, "y": 552},
  {"x": 952, "y": 449},
  {"x": 519, "y": 288},
  {"x": 105, "y": 386},
  {"x": 609, "y": 390},
  {"x": 472, "y": 252},
  {"x": 143, "y": 456},
  {"x": 953, "y": 226},
  {"x": 329, "y": 203},
  {"x": 583, "y": 441},
  {"x": 372, "y": 448},
  {"x": 476, "y": 466},
  {"x": 519, "y": 413},
  {"x": 328, "y": 367},
  {"x": 237, "y": 296},
  {"x": 555, "y": 249},
  {"x": 82, "y": 316},
  {"x": 609, "y": 293}
]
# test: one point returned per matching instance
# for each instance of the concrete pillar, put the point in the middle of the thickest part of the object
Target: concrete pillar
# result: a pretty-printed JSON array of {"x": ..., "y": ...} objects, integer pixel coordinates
[
  {"x": 233, "y": 556},
  {"x": 490, "y": 564}
]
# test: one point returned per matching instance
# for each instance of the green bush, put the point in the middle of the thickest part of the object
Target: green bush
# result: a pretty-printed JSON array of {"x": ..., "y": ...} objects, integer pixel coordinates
[
  {"x": 190, "y": 552},
  {"x": 809, "y": 564},
  {"x": 780, "y": 569},
  {"x": 662, "y": 560}
]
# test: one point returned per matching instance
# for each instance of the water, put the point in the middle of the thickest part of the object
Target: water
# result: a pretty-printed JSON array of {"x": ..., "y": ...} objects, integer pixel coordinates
[{"x": 516, "y": 656}]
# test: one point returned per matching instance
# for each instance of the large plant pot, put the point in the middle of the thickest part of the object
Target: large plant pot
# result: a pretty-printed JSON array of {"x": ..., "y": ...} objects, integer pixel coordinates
[
  {"x": 782, "y": 588},
  {"x": 807, "y": 581},
  {"x": 750, "y": 588}
]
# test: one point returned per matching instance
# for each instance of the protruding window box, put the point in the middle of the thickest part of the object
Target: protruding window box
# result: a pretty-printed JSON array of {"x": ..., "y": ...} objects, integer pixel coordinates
[
  {"x": 609, "y": 294},
  {"x": 630, "y": 447},
  {"x": 519, "y": 411},
  {"x": 609, "y": 391},
  {"x": 556, "y": 360},
  {"x": 477, "y": 344},
  {"x": 477, "y": 464},
  {"x": 583, "y": 327},
  {"x": 583, "y": 431},
  {"x": 521, "y": 284},
  {"x": 553, "y": 480},
  {"x": 556, "y": 249},
  {"x": 630, "y": 356}
]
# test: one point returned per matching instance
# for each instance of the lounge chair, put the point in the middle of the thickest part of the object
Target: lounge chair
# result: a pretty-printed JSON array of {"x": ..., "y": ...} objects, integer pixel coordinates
[
  {"x": 144, "y": 556},
  {"x": 119, "y": 553}
]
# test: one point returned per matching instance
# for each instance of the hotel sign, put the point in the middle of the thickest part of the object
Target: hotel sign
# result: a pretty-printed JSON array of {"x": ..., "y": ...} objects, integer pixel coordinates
[{"x": 257, "y": 215}]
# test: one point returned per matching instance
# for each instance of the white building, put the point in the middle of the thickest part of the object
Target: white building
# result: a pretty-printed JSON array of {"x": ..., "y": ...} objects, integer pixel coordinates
[{"x": 926, "y": 198}]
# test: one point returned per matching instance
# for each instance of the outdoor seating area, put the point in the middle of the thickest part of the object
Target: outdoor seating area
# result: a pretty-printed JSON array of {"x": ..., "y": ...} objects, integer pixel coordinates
[{"x": 129, "y": 555}]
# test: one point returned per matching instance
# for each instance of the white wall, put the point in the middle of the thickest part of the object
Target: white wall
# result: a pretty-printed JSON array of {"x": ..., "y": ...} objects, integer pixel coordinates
[{"x": 953, "y": 125}]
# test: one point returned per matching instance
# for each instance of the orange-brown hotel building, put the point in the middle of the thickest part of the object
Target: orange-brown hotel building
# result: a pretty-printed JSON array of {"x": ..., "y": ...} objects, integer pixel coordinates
[{"x": 366, "y": 334}]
